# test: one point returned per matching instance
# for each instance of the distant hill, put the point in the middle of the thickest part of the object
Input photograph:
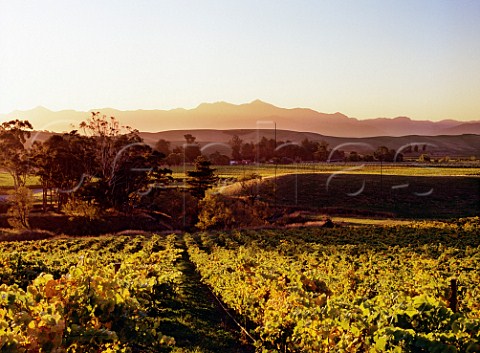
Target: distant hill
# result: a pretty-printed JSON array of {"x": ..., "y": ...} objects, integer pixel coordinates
[
  {"x": 217, "y": 140},
  {"x": 254, "y": 115},
  {"x": 443, "y": 145}
]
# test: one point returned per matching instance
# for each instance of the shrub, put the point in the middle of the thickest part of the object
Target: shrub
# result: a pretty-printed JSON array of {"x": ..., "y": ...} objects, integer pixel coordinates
[
  {"x": 21, "y": 201},
  {"x": 84, "y": 209},
  {"x": 175, "y": 207},
  {"x": 218, "y": 211}
]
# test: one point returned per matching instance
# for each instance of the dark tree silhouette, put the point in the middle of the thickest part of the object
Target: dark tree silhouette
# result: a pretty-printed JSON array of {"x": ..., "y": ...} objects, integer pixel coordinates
[
  {"x": 236, "y": 144},
  {"x": 64, "y": 164},
  {"x": 219, "y": 159},
  {"x": 191, "y": 148},
  {"x": 265, "y": 149},
  {"x": 322, "y": 152},
  {"x": 248, "y": 151},
  {"x": 309, "y": 148},
  {"x": 163, "y": 146},
  {"x": 383, "y": 154},
  {"x": 202, "y": 178}
]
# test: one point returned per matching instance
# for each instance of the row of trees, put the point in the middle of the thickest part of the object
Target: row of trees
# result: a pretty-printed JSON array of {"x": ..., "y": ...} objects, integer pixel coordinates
[
  {"x": 308, "y": 150},
  {"x": 108, "y": 166},
  {"x": 270, "y": 150}
]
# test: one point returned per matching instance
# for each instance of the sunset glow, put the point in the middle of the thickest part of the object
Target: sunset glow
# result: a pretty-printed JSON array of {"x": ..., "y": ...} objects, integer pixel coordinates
[{"x": 365, "y": 59}]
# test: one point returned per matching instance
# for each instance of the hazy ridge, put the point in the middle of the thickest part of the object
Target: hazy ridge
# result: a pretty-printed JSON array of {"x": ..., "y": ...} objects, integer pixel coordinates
[{"x": 254, "y": 115}]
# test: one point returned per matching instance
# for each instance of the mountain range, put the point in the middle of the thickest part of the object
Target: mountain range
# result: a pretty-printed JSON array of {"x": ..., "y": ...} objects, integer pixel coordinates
[{"x": 253, "y": 115}]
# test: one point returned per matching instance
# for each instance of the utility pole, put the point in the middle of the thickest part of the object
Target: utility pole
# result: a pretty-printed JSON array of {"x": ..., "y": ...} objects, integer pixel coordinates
[{"x": 275, "y": 175}]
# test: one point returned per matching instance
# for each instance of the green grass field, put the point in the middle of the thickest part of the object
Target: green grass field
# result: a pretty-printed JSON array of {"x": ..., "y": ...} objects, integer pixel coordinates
[
  {"x": 6, "y": 181},
  {"x": 270, "y": 170}
]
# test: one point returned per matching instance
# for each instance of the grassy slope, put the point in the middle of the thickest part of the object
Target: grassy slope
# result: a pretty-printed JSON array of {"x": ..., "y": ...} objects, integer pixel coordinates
[{"x": 6, "y": 181}]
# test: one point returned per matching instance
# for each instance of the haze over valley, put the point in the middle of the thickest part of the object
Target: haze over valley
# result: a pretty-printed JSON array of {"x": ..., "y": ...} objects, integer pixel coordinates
[{"x": 254, "y": 115}]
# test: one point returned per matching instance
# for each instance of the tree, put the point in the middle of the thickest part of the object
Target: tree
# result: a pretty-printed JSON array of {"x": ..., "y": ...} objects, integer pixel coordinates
[
  {"x": 383, "y": 154},
  {"x": 14, "y": 156},
  {"x": 219, "y": 159},
  {"x": 289, "y": 151},
  {"x": 309, "y": 148},
  {"x": 163, "y": 146},
  {"x": 192, "y": 149},
  {"x": 21, "y": 200},
  {"x": 248, "y": 151},
  {"x": 322, "y": 152},
  {"x": 265, "y": 149},
  {"x": 190, "y": 138},
  {"x": 354, "y": 157},
  {"x": 109, "y": 139},
  {"x": 64, "y": 164},
  {"x": 137, "y": 169},
  {"x": 202, "y": 178},
  {"x": 236, "y": 144},
  {"x": 126, "y": 166},
  {"x": 174, "y": 159}
]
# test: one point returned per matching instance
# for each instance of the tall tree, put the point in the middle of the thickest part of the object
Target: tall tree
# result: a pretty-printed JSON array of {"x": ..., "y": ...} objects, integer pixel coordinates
[
  {"x": 64, "y": 164},
  {"x": 322, "y": 152},
  {"x": 202, "y": 178},
  {"x": 163, "y": 146},
  {"x": 265, "y": 149},
  {"x": 309, "y": 148},
  {"x": 137, "y": 170},
  {"x": 13, "y": 154},
  {"x": 191, "y": 149},
  {"x": 248, "y": 151},
  {"x": 236, "y": 145},
  {"x": 126, "y": 166}
]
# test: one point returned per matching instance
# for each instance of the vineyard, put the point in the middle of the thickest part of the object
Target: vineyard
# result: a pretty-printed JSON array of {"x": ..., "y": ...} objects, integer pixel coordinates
[
  {"x": 106, "y": 294},
  {"x": 408, "y": 288},
  {"x": 84, "y": 295},
  {"x": 364, "y": 289}
]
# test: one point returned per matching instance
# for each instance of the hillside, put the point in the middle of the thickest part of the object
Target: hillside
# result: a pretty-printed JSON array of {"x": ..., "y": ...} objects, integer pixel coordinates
[
  {"x": 461, "y": 145},
  {"x": 444, "y": 145}
]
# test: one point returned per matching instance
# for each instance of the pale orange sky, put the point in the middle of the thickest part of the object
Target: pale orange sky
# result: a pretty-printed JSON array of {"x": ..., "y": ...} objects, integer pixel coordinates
[{"x": 363, "y": 58}]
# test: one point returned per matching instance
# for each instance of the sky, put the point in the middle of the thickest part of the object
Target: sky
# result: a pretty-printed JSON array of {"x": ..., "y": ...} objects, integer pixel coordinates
[{"x": 363, "y": 58}]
